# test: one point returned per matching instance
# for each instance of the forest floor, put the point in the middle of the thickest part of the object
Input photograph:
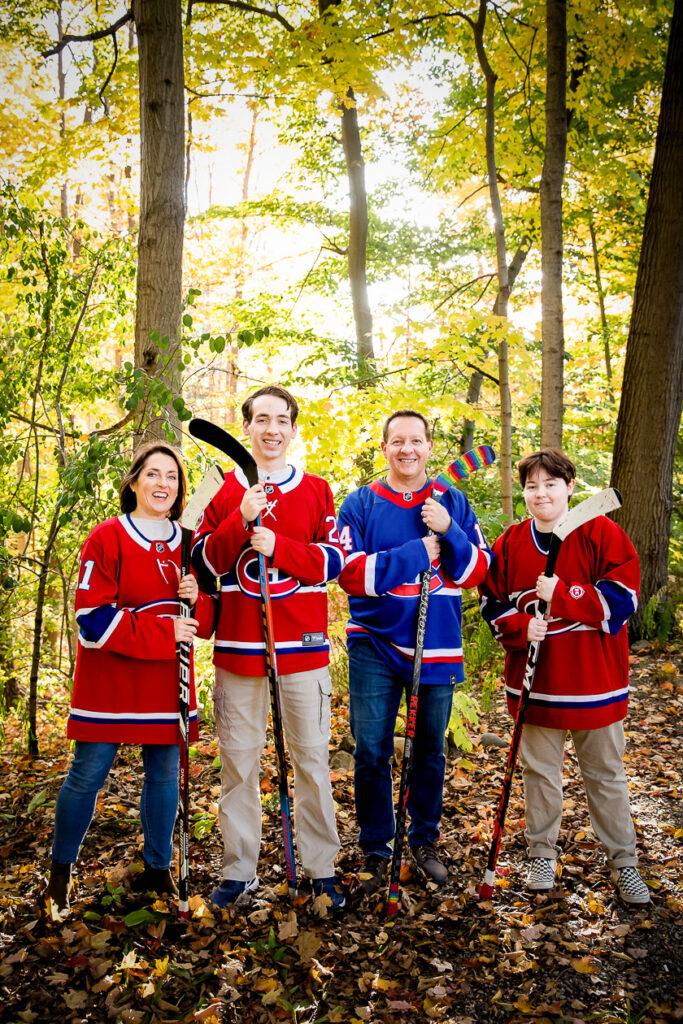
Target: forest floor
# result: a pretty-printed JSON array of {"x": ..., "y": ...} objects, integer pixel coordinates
[{"x": 573, "y": 956}]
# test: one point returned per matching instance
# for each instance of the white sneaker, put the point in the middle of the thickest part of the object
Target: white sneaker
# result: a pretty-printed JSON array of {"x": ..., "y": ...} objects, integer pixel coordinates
[
  {"x": 541, "y": 875},
  {"x": 630, "y": 886}
]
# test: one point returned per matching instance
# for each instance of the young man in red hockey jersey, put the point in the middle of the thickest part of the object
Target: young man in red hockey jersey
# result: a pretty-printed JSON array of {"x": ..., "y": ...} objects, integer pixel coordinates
[
  {"x": 581, "y": 679},
  {"x": 298, "y": 537}
]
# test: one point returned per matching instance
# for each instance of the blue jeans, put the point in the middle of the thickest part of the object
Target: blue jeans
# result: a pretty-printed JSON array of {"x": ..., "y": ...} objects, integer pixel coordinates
[
  {"x": 375, "y": 695},
  {"x": 158, "y": 802}
]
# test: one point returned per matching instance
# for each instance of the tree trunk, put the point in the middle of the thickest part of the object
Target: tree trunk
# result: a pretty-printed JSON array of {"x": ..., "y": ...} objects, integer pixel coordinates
[
  {"x": 358, "y": 237},
  {"x": 162, "y": 206},
  {"x": 652, "y": 391},
  {"x": 552, "y": 177},
  {"x": 32, "y": 744},
  {"x": 474, "y": 388},
  {"x": 601, "y": 301},
  {"x": 505, "y": 454},
  {"x": 358, "y": 225},
  {"x": 9, "y": 687}
]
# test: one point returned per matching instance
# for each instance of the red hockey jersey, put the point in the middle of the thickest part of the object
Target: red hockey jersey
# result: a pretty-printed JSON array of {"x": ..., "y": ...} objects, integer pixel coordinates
[
  {"x": 126, "y": 685},
  {"x": 300, "y": 511},
  {"x": 581, "y": 679}
]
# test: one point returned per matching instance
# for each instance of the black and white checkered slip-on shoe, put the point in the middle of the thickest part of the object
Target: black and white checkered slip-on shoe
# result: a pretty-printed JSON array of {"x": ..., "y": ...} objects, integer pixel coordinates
[
  {"x": 541, "y": 875},
  {"x": 630, "y": 886}
]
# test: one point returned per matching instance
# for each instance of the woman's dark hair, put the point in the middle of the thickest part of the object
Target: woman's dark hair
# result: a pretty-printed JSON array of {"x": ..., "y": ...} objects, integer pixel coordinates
[
  {"x": 552, "y": 460},
  {"x": 140, "y": 455},
  {"x": 277, "y": 392}
]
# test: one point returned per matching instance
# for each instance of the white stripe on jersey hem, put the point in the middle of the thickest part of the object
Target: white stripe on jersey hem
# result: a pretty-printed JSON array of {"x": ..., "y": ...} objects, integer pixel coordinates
[
  {"x": 431, "y": 652},
  {"x": 138, "y": 716},
  {"x": 245, "y": 645},
  {"x": 571, "y": 698}
]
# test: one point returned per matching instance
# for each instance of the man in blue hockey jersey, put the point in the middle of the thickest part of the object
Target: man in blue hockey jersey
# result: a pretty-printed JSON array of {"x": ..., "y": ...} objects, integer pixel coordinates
[{"x": 384, "y": 531}]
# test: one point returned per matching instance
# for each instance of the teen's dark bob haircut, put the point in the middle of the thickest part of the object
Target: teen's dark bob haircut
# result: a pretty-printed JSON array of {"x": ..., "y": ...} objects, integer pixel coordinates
[{"x": 552, "y": 460}]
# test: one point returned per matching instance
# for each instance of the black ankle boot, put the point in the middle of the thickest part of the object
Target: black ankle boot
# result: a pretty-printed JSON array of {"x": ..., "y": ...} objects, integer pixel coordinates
[
  {"x": 58, "y": 887},
  {"x": 158, "y": 880}
]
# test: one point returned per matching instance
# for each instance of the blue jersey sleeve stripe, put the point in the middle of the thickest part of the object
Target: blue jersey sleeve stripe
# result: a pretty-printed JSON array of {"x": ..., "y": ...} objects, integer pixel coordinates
[{"x": 97, "y": 624}]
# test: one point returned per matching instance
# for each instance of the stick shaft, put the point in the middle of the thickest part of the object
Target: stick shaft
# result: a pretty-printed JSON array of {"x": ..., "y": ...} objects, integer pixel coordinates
[
  {"x": 278, "y": 734},
  {"x": 529, "y": 672},
  {"x": 404, "y": 788},
  {"x": 184, "y": 763}
]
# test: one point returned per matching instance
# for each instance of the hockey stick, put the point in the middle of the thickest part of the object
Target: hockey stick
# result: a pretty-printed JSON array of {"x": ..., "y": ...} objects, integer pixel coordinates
[
  {"x": 597, "y": 505},
  {"x": 203, "y": 430},
  {"x": 208, "y": 488},
  {"x": 468, "y": 463}
]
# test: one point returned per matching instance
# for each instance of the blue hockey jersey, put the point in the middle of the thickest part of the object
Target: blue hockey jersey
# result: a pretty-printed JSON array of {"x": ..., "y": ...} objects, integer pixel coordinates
[{"x": 381, "y": 531}]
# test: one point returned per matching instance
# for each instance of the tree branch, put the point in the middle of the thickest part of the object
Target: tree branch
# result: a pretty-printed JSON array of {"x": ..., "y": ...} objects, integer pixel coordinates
[
  {"x": 238, "y": 5},
  {"x": 101, "y": 33}
]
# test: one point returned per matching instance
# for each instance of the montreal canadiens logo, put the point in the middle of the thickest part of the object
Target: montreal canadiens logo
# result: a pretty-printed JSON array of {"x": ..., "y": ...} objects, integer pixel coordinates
[
  {"x": 247, "y": 574},
  {"x": 576, "y": 591},
  {"x": 436, "y": 582}
]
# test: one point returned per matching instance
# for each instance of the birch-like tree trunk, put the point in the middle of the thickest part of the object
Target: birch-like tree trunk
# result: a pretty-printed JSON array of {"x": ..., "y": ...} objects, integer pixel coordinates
[
  {"x": 652, "y": 392},
  {"x": 476, "y": 379},
  {"x": 552, "y": 177},
  {"x": 162, "y": 203}
]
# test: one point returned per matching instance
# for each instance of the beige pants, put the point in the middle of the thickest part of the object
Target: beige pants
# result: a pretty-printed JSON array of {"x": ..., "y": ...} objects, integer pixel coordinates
[
  {"x": 600, "y": 753},
  {"x": 241, "y": 704}
]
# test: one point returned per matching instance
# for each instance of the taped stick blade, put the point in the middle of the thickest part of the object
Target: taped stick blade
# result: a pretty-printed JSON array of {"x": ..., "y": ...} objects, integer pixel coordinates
[
  {"x": 207, "y": 490},
  {"x": 596, "y": 505}
]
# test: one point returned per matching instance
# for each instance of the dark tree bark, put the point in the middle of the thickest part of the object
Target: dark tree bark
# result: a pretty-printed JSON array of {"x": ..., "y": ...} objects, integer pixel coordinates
[
  {"x": 358, "y": 237},
  {"x": 601, "y": 300},
  {"x": 652, "y": 392},
  {"x": 552, "y": 177},
  {"x": 358, "y": 225},
  {"x": 502, "y": 299},
  {"x": 162, "y": 202}
]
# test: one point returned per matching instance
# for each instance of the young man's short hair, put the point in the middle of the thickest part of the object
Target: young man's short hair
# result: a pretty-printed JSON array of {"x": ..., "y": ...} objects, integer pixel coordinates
[
  {"x": 405, "y": 412},
  {"x": 278, "y": 392},
  {"x": 552, "y": 460}
]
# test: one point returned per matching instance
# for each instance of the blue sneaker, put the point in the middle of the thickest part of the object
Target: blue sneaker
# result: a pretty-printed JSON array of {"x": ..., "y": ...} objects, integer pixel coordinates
[
  {"x": 229, "y": 889},
  {"x": 327, "y": 887}
]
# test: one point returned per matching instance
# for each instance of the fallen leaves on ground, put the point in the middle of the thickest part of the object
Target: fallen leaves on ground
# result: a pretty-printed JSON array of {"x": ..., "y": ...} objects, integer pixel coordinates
[{"x": 572, "y": 956}]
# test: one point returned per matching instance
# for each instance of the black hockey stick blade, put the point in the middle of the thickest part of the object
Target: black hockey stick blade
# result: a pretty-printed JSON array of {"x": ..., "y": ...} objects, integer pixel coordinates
[{"x": 218, "y": 438}]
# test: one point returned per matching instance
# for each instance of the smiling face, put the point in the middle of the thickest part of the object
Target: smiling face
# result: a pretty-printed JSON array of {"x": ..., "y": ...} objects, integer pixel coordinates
[
  {"x": 547, "y": 498},
  {"x": 406, "y": 449},
  {"x": 270, "y": 431},
  {"x": 155, "y": 487}
]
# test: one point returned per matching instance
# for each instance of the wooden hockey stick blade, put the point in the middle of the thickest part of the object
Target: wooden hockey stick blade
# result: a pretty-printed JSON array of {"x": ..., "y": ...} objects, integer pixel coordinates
[
  {"x": 596, "y": 505},
  {"x": 218, "y": 438},
  {"x": 205, "y": 493},
  {"x": 470, "y": 462}
]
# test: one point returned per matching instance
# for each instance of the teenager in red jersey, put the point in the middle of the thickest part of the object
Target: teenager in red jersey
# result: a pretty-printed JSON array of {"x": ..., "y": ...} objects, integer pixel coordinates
[{"x": 581, "y": 679}]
